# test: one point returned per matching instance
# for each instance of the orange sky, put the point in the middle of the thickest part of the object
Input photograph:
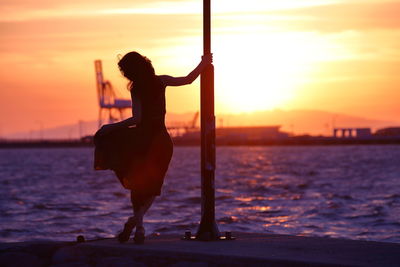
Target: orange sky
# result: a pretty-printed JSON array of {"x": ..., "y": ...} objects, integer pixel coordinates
[{"x": 338, "y": 56}]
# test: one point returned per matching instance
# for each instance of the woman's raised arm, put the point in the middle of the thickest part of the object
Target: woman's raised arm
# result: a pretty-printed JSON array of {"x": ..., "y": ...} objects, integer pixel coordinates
[{"x": 178, "y": 81}]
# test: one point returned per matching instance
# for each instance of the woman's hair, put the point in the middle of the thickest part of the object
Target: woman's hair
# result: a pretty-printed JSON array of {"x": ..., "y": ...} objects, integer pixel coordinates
[{"x": 138, "y": 70}]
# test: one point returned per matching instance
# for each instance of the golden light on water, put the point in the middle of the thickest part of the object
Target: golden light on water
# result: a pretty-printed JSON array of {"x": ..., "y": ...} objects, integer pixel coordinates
[
  {"x": 279, "y": 220},
  {"x": 253, "y": 208}
]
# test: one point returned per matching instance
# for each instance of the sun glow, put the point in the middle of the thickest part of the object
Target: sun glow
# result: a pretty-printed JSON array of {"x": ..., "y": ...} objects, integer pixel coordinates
[{"x": 256, "y": 72}]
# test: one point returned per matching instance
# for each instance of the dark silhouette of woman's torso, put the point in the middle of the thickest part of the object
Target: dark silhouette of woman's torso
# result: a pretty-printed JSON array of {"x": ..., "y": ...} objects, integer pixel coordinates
[{"x": 152, "y": 99}]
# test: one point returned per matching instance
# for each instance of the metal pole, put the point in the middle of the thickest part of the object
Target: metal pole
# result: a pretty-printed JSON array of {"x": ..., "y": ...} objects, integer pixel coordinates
[{"x": 208, "y": 229}]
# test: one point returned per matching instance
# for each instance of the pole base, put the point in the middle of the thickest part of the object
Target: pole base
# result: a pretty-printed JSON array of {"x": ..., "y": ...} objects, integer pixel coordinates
[
  {"x": 208, "y": 229},
  {"x": 208, "y": 237}
]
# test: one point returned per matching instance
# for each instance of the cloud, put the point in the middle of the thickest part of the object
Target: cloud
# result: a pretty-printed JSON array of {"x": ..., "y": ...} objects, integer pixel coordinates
[
  {"x": 28, "y": 10},
  {"x": 22, "y": 10},
  {"x": 40, "y": 4},
  {"x": 85, "y": 33},
  {"x": 346, "y": 16},
  {"x": 326, "y": 17}
]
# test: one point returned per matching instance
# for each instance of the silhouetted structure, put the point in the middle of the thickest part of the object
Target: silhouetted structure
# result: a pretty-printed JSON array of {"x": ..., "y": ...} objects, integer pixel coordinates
[
  {"x": 108, "y": 101},
  {"x": 237, "y": 135},
  {"x": 390, "y": 132},
  {"x": 352, "y": 133},
  {"x": 250, "y": 133},
  {"x": 182, "y": 128},
  {"x": 208, "y": 229}
]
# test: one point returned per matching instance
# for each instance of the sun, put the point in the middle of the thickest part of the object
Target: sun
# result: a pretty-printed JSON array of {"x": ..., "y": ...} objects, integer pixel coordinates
[{"x": 258, "y": 72}]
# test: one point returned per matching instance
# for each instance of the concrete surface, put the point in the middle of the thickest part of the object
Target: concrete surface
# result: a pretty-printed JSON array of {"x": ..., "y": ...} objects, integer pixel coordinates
[{"x": 249, "y": 249}]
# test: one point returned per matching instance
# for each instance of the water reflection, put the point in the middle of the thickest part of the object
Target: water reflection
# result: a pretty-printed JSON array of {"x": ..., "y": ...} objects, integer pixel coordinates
[{"x": 318, "y": 191}]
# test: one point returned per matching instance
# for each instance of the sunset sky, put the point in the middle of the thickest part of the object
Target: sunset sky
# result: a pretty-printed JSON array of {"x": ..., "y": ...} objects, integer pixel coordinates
[{"x": 330, "y": 55}]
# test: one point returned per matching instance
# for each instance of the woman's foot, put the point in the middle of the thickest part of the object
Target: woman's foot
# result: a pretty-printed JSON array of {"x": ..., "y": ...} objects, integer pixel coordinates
[
  {"x": 139, "y": 235},
  {"x": 126, "y": 233}
]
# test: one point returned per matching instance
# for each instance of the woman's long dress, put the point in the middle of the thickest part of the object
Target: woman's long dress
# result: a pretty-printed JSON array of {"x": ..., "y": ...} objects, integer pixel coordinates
[{"x": 139, "y": 155}]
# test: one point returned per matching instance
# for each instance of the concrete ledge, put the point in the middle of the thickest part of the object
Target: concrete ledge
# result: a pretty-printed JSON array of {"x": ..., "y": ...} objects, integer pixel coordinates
[{"x": 168, "y": 250}]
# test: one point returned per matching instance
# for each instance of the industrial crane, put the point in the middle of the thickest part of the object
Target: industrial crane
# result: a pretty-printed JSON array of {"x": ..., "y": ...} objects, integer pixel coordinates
[{"x": 110, "y": 105}]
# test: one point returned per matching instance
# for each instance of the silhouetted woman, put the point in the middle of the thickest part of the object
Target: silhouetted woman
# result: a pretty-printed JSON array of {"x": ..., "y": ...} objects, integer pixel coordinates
[{"x": 139, "y": 149}]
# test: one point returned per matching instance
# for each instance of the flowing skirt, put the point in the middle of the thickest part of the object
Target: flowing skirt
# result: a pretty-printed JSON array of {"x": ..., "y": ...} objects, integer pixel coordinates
[{"x": 139, "y": 156}]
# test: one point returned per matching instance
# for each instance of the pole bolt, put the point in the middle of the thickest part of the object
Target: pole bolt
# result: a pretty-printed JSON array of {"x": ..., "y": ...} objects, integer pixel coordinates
[
  {"x": 188, "y": 235},
  {"x": 80, "y": 239},
  {"x": 228, "y": 235}
]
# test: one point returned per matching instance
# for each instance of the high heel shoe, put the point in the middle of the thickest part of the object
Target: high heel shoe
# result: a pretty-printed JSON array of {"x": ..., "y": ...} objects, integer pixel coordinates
[
  {"x": 126, "y": 232},
  {"x": 139, "y": 235}
]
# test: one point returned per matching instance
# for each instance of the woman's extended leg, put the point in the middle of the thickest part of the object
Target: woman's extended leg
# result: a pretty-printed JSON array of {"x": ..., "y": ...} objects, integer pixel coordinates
[
  {"x": 128, "y": 228},
  {"x": 126, "y": 232},
  {"x": 141, "y": 205}
]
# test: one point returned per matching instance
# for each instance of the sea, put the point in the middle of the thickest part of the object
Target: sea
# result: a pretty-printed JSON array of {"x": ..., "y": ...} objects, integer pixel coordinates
[{"x": 350, "y": 192}]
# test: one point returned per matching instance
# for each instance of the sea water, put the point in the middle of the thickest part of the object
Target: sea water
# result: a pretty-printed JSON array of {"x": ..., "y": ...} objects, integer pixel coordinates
[{"x": 331, "y": 191}]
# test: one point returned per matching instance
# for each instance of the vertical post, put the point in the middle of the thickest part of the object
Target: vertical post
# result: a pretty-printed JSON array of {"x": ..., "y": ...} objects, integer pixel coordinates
[
  {"x": 100, "y": 92},
  {"x": 208, "y": 229}
]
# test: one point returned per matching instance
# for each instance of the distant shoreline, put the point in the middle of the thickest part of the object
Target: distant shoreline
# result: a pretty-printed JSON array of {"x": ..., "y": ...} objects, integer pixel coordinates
[{"x": 292, "y": 141}]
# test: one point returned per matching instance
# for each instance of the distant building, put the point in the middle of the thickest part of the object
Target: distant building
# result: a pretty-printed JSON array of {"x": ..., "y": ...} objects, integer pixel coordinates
[
  {"x": 250, "y": 133},
  {"x": 390, "y": 131},
  {"x": 361, "y": 133},
  {"x": 257, "y": 133}
]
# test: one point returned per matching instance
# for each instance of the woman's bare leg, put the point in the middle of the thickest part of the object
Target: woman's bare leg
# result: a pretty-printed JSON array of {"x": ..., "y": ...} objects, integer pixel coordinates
[
  {"x": 141, "y": 205},
  {"x": 140, "y": 208},
  {"x": 128, "y": 228}
]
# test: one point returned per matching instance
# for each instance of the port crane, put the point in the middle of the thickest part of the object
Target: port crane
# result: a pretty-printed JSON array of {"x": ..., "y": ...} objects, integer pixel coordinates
[{"x": 111, "y": 107}]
